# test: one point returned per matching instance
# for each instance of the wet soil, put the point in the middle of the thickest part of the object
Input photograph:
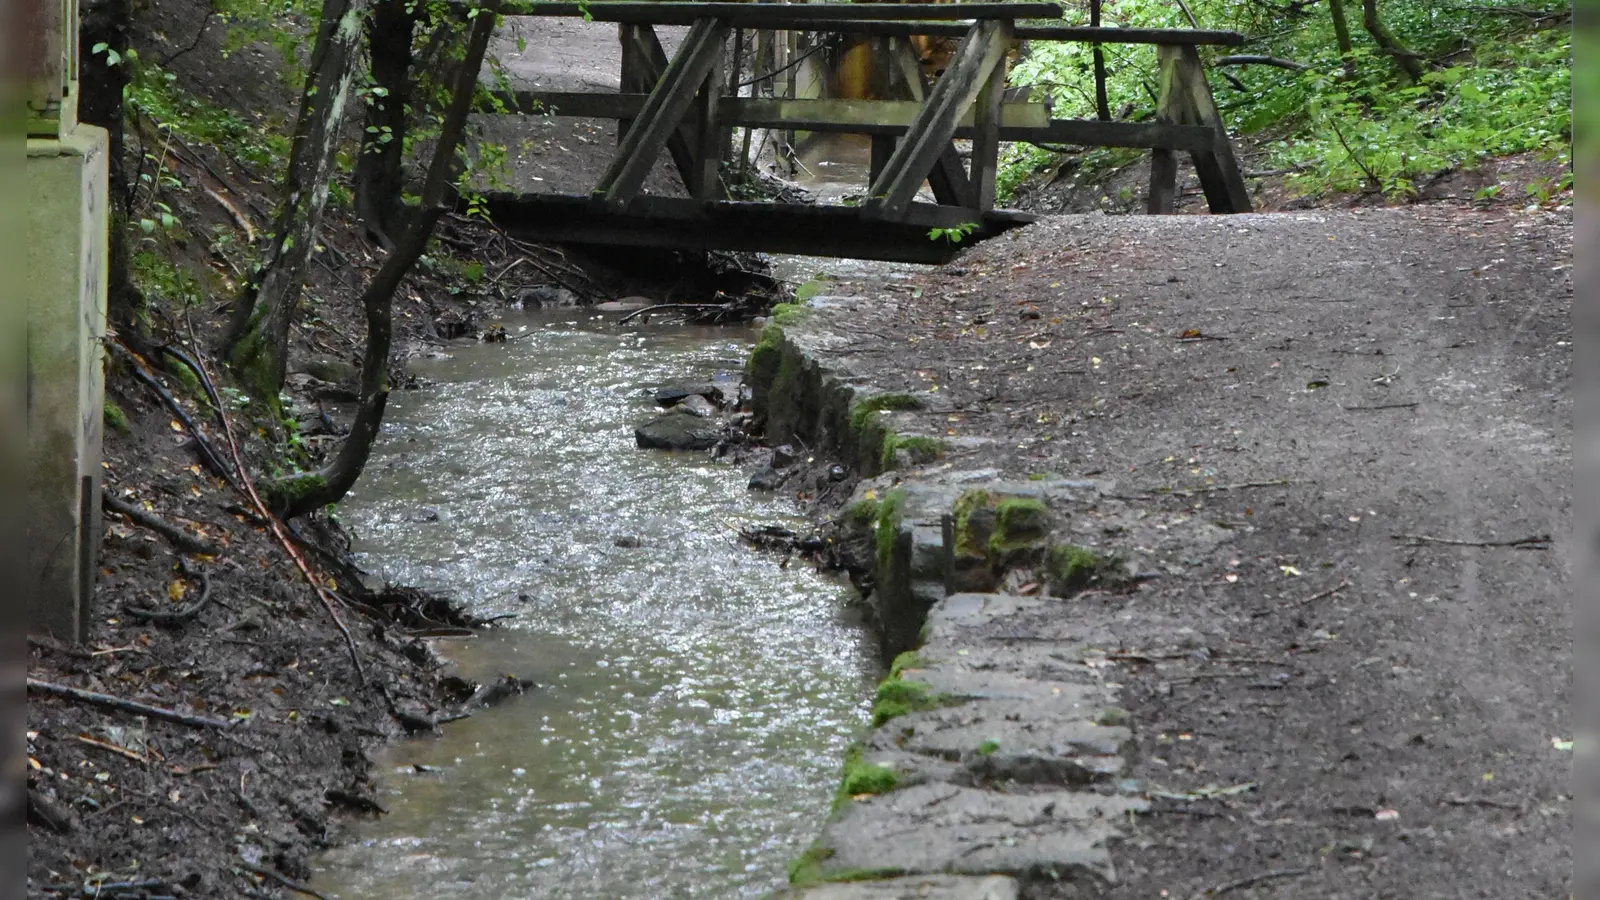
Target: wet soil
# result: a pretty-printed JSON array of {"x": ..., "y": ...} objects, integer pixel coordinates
[{"x": 1363, "y": 708}]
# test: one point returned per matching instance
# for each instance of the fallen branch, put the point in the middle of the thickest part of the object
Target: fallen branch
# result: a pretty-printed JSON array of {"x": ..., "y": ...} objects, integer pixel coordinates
[
  {"x": 106, "y": 701},
  {"x": 181, "y": 539},
  {"x": 1324, "y": 594},
  {"x": 113, "y": 748},
  {"x": 1255, "y": 879},
  {"x": 208, "y": 454},
  {"x": 1460, "y": 800},
  {"x": 177, "y": 617},
  {"x": 1213, "y": 488},
  {"x": 281, "y": 878},
  {"x": 277, "y": 531},
  {"x": 1532, "y": 542},
  {"x": 1379, "y": 406},
  {"x": 1249, "y": 59},
  {"x": 639, "y": 312}
]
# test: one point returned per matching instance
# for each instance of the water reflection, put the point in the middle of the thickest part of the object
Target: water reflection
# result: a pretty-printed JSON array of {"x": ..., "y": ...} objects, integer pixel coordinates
[{"x": 697, "y": 698}]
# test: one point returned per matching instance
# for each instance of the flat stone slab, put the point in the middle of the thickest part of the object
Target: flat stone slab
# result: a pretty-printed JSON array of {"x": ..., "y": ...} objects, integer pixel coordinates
[
  {"x": 940, "y": 828},
  {"x": 918, "y": 887}
]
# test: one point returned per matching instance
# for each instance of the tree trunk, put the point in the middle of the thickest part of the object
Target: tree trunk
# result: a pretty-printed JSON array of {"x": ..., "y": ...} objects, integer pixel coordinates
[
  {"x": 1408, "y": 60},
  {"x": 380, "y": 177},
  {"x": 1341, "y": 35},
  {"x": 257, "y": 340},
  {"x": 1102, "y": 104},
  {"x": 100, "y": 95},
  {"x": 301, "y": 494}
]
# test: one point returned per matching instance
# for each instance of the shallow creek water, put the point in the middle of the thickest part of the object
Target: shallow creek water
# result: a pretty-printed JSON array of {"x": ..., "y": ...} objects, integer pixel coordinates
[{"x": 695, "y": 698}]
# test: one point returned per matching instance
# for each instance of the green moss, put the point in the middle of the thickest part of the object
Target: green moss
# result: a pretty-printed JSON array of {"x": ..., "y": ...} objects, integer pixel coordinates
[
  {"x": 788, "y": 313},
  {"x": 1113, "y": 715},
  {"x": 786, "y": 380},
  {"x": 920, "y": 448},
  {"x": 862, "y": 513},
  {"x": 183, "y": 373},
  {"x": 864, "y": 411},
  {"x": 897, "y": 697},
  {"x": 764, "y": 359},
  {"x": 967, "y": 504},
  {"x": 987, "y": 748},
  {"x": 1072, "y": 568},
  {"x": 907, "y": 660},
  {"x": 1019, "y": 523},
  {"x": 114, "y": 417},
  {"x": 888, "y": 528},
  {"x": 807, "y": 869},
  {"x": 867, "y": 778},
  {"x": 282, "y": 493}
]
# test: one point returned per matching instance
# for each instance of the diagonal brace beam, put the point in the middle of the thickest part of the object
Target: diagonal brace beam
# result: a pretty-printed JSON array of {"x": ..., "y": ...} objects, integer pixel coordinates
[
  {"x": 947, "y": 178},
  {"x": 936, "y": 123},
  {"x": 663, "y": 113}
]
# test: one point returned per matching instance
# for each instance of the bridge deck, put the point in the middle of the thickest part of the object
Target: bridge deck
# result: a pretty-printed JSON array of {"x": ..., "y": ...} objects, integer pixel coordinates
[{"x": 682, "y": 223}]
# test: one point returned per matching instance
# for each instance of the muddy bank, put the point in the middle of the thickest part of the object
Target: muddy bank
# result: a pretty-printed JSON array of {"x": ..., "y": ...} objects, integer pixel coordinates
[{"x": 1307, "y": 459}]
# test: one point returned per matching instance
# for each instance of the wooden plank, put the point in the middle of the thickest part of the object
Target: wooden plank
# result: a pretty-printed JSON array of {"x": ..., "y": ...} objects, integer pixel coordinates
[
  {"x": 1185, "y": 99},
  {"x": 709, "y": 139},
  {"x": 1163, "y": 181},
  {"x": 663, "y": 113},
  {"x": 686, "y": 224},
  {"x": 948, "y": 179},
  {"x": 936, "y": 123},
  {"x": 1018, "y": 121},
  {"x": 986, "y": 137},
  {"x": 882, "y": 149},
  {"x": 1045, "y": 33},
  {"x": 760, "y": 15},
  {"x": 651, "y": 59}
]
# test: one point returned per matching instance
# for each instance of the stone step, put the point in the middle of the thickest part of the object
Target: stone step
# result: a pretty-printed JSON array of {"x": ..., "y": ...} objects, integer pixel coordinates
[
  {"x": 947, "y": 829},
  {"x": 920, "y": 887}
]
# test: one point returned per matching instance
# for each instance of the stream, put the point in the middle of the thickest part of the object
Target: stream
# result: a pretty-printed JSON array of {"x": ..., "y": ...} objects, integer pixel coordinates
[{"x": 694, "y": 699}]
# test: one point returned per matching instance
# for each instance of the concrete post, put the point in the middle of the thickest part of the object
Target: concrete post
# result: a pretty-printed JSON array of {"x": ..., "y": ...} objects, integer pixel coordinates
[{"x": 65, "y": 287}]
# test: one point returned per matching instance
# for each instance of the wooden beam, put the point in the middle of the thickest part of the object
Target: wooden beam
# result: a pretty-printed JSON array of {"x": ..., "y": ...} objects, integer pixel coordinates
[
  {"x": 662, "y": 113},
  {"x": 936, "y": 123},
  {"x": 649, "y": 63},
  {"x": 709, "y": 140},
  {"x": 1185, "y": 99},
  {"x": 1045, "y": 33},
  {"x": 686, "y": 224},
  {"x": 1163, "y": 182},
  {"x": 759, "y": 15},
  {"x": 986, "y": 137},
  {"x": 1018, "y": 121},
  {"x": 948, "y": 179}
]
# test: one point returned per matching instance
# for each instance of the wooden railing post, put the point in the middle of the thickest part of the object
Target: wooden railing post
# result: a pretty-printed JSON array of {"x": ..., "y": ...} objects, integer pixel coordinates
[{"x": 1185, "y": 99}]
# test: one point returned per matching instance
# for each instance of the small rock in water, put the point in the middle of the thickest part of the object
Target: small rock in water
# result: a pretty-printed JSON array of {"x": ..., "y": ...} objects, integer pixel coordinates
[
  {"x": 626, "y": 304},
  {"x": 507, "y": 686},
  {"x": 428, "y": 514},
  {"x": 837, "y": 473},
  {"x": 696, "y": 405},
  {"x": 625, "y": 540},
  {"x": 783, "y": 456},
  {"x": 768, "y": 479},
  {"x": 548, "y": 296},
  {"x": 675, "y": 394},
  {"x": 677, "y": 431}
]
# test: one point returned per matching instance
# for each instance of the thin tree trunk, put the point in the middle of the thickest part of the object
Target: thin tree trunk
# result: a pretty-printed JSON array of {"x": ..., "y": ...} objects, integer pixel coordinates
[
  {"x": 301, "y": 494},
  {"x": 380, "y": 178},
  {"x": 1341, "y": 36},
  {"x": 257, "y": 340},
  {"x": 100, "y": 102},
  {"x": 1407, "y": 59},
  {"x": 1102, "y": 103}
]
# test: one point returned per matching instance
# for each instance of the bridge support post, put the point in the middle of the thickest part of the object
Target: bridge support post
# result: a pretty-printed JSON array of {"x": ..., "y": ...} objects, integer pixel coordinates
[
  {"x": 68, "y": 216},
  {"x": 1185, "y": 99}
]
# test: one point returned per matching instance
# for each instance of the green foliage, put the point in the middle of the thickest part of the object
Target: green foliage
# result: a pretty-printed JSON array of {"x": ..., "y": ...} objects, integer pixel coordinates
[
  {"x": 862, "y": 777},
  {"x": 862, "y": 513},
  {"x": 1493, "y": 84},
  {"x": 161, "y": 279},
  {"x": 787, "y": 314},
  {"x": 1017, "y": 163},
  {"x": 966, "y": 505},
  {"x": 921, "y": 448},
  {"x": 153, "y": 92},
  {"x": 114, "y": 417},
  {"x": 910, "y": 659},
  {"x": 1018, "y": 522},
  {"x": 987, "y": 748},
  {"x": 888, "y": 527},
  {"x": 1070, "y": 568},
  {"x": 954, "y": 233},
  {"x": 897, "y": 697},
  {"x": 865, "y": 410}
]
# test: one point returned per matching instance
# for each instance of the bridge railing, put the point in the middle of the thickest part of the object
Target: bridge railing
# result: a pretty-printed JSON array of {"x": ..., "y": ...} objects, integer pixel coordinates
[{"x": 912, "y": 135}]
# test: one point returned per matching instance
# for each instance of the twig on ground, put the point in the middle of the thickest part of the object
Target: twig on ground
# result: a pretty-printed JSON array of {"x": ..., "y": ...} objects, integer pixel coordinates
[
  {"x": 1323, "y": 594},
  {"x": 106, "y": 701},
  {"x": 1461, "y": 800},
  {"x": 281, "y": 878},
  {"x": 1379, "y": 406},
  {"x": 181, "y": 539},
  {"x": 1531, "y": 542},
  {"x": 1254, "y": 879},
  {"x": 208, "y": 454},
  {"x": 1213, "y": 488},
  {"x": 113, "y": 748}
]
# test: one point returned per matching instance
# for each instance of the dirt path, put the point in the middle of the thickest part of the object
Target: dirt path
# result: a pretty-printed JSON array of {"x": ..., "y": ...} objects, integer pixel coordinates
[{"x": 1338, "y": 702}]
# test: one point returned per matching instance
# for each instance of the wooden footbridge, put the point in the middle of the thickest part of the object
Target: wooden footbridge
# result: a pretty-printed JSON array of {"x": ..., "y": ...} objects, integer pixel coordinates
[{"x": 683, "y": 105}]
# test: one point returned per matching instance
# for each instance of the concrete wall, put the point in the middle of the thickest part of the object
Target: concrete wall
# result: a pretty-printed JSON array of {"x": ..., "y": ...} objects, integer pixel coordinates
[{"x": 65, "y": 287}]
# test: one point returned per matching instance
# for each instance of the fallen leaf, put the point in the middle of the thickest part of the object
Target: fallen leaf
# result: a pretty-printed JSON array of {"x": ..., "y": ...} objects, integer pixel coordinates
[
  {"x": 1387, "y": 815},
  {"x": 1191, "y": 333},
  {"x": 1313, "y": 385},
  {"x": 1559, "y": 744},
  {"x": 1289, "y": 570}
]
